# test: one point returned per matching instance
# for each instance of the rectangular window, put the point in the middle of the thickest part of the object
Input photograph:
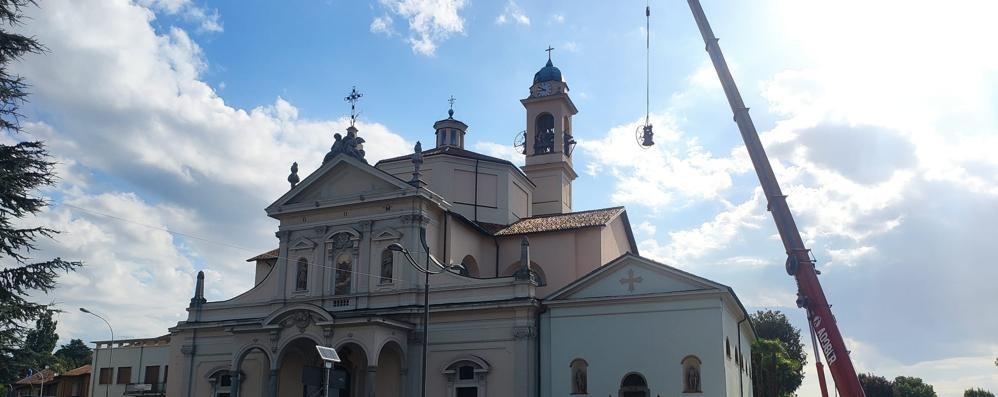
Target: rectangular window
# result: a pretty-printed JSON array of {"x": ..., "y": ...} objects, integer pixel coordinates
[
  {"x": 152, "y": 375},
  {"x": 467, "y": 392},
  {"x": 166, "y": 372},
  {"x": 105, "y": 376},
  {"x": 124, "y": 375}
]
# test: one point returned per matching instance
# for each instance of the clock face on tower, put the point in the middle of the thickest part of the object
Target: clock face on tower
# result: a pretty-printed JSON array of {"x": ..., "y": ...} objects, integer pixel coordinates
[{"x": 545, "y": 89}]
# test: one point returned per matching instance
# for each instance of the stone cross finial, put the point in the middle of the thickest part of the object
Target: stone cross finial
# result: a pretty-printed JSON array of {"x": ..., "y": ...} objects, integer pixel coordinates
[
  {"x": 450, "y": 112},
  {"x": 549, "y": 49}
]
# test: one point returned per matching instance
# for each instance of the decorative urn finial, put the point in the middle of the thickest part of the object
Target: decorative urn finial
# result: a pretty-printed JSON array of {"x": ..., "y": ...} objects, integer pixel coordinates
[{"x": 293, "y": 179}]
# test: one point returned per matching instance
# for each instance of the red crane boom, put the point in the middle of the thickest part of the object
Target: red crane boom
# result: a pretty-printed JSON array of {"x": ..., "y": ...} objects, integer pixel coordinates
[{"x": 799, "y": 263}]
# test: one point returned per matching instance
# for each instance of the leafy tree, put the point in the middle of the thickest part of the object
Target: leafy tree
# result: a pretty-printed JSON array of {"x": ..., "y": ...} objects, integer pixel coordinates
[
  {"x": 906, "y": 386},
  {"x": 774, "y": 372},
  {"x": 774, "y": 325},
  {"x": 977, "y": 393},
  {"x": 876, "y": 386},
  {"x": 74, "y": 354},
  {"x": 24, "y": 167}
]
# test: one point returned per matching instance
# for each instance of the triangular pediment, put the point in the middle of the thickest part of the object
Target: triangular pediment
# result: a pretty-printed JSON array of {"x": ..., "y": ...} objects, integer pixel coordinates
[
  {"x": 632, "y": 275},
  {"x": 342, "y": 179}
]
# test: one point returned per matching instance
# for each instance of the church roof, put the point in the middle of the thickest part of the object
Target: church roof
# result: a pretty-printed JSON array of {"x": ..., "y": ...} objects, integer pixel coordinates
[
  {"x": 555, "y": 222},
  {"x": 548, "y": 73},
  {"x": 272, "y": 254},
  {"x": 457, "y": 152}
]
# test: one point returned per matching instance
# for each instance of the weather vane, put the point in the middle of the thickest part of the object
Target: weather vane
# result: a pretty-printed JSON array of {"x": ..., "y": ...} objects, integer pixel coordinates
[
  {"x": 451, "y": 100},
  {"x": 353, "y": 98},
  {"x": 549, "y": 49}
]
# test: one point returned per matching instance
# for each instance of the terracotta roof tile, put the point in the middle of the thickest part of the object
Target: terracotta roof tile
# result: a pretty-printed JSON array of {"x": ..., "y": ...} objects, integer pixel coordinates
[
  {"x": 84, "y": 370},
  {"x": 572, "y": 220},
  {"x": 272, "y": 254},
  {"x": 43, "y": 376}
]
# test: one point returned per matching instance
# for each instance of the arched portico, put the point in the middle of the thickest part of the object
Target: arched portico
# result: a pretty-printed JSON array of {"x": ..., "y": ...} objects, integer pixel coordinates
[
  {"x": 252, "y": 373},
  {"x": 300, "y": 370},
  {"x": 391, "y": 370},
  {"x": 355, "y": 366}
]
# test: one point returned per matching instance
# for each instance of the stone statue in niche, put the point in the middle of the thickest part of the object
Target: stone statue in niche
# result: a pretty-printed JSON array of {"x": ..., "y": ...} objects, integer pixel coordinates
[
  {"x": 579, "y": 380},
  {"x": 692, "y": 378}
]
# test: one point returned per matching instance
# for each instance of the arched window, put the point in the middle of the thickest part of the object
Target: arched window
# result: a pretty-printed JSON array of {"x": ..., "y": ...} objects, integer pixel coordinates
[
  {"x": 691, "y": 374},
  {"x": 301, "y": 278},
  {"x": 221, "y": 383},
  {"x": 580, "y": 381},
  {"x": 387, "y": 267},
  {"x": 538, "y": 272},
  {"x": 633, "y": 385},
  {"x": 466, "y": 377},
  {"x": 727, "y": 347},
  {"x": 469, "y": 266},
  {"x": 453, "y": 137},
  {"x": 344, "y": 273}
]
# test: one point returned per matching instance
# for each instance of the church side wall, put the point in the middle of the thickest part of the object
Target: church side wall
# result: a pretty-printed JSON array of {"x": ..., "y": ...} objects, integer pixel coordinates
[
  {"x": 737, "y": 371},
  {"x": 614, "y": 240},
  {"x": 604, "y": 336},
  {"x": 465, "y": 240}
]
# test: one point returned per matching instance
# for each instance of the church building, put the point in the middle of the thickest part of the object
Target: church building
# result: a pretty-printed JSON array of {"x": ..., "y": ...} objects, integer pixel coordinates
[{"x": 527, "y": 296}]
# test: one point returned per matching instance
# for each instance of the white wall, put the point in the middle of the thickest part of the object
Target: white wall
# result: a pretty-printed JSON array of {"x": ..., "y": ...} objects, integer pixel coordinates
[{"x": 649, "y": 337}]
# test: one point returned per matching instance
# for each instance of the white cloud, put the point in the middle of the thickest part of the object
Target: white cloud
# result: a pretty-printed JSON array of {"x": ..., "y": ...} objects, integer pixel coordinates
[
  {"x": 430, "y": 21},
  {"x": 673, "y": 172},
  {"x": 570, "y": 46},
  {"x": 558, "y": 18},
  {"x": 513, "y": 13},
  {"x": 208, "y": 21},
  {"x": 383, "y": 25},
  {"x": 505, "y": 152},
  {"x": 139, "y": 137}
]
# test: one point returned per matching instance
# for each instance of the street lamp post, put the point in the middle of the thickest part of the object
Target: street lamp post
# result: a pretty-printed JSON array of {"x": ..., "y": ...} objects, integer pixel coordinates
[
  {"x": 110, "y": 351},
  {"x": 396, "y": 247}
]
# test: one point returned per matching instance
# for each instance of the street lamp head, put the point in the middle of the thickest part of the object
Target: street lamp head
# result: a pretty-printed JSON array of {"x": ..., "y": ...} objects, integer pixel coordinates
[
  {"x": 83, "y": 309},
  {"x": 396, "y": 247}
]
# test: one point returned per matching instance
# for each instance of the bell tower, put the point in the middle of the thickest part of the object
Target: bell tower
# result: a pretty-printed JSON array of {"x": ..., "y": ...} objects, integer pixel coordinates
[{"x": 548, "y": 143}]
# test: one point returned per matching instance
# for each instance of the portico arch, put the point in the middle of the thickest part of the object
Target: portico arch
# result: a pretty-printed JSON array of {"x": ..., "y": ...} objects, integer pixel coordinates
[
  {"x": 391, "y": 370},
  {"x": 355, "y": 365},
  {"x": 299, "y": 372},
  {"x": 252, "y": 372}
]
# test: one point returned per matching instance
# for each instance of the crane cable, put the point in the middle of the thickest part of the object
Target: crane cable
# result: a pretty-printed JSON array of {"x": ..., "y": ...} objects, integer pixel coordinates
[{"x": 647, "y": 62}]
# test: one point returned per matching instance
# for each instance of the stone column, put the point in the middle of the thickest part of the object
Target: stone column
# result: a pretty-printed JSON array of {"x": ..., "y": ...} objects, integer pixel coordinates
[
  {"x": 274, "y": 372},
  {"x": 236, "y": 380},
  {"x": 372, "y": 371}
]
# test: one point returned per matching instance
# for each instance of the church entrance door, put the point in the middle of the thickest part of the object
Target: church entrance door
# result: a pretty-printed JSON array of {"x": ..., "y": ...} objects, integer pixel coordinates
[
  {"x": 301, "y": 372},
  {"x": 633, "y": 385}
]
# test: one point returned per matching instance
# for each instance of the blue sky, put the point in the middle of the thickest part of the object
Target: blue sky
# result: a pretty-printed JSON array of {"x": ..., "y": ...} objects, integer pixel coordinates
[{"x": 879, "y": 119}]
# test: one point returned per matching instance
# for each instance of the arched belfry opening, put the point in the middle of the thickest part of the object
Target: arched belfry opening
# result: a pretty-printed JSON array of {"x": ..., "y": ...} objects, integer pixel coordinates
[{"x": 545, "y": 136}]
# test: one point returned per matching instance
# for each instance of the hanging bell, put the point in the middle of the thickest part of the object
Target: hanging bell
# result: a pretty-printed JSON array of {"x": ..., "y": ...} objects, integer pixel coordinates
[{"x": 646, "y": 136}]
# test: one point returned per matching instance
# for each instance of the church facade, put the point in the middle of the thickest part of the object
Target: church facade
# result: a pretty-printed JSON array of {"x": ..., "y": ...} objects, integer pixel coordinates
[{"x": 532, "y": 298}]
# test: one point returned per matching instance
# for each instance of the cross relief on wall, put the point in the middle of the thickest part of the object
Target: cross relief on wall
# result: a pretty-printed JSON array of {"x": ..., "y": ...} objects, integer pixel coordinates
[{"x": 630, "y": 280}]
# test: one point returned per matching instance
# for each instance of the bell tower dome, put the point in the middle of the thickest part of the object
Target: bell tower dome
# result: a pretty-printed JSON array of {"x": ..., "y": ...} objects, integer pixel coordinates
[{"x": 549, "y": 143}]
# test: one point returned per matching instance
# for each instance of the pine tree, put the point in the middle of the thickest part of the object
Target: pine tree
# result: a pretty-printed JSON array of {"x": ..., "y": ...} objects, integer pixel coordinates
[{"x": 24, "y": 167}]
